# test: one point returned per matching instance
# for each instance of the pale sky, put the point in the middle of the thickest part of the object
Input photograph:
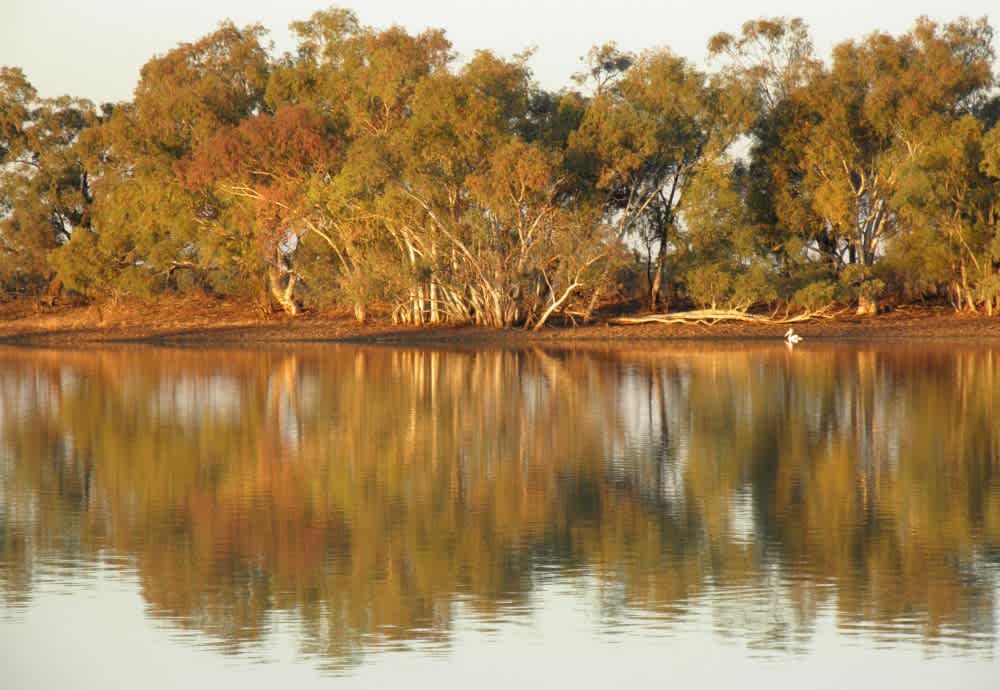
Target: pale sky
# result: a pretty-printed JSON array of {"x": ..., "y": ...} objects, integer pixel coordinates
[{"x": 94, "y": 48}]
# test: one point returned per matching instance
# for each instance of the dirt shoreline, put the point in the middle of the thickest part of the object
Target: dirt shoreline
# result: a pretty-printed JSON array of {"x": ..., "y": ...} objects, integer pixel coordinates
[{"x": 206, "y": 321}]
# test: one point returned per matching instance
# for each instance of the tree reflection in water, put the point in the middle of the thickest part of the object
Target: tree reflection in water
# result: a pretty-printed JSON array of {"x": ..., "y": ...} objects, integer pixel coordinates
[{"x": 369, "y": 492}]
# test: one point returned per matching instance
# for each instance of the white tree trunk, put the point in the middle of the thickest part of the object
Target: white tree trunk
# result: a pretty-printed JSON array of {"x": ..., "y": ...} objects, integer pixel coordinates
[{"x": 283, "y": 294}]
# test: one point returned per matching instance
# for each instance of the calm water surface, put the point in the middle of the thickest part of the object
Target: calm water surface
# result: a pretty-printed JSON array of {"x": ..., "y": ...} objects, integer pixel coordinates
[{"x": 687, "y": 515}]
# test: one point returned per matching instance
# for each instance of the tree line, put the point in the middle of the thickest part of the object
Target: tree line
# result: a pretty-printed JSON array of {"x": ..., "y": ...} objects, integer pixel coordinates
[{"x": 369, "y": 169}]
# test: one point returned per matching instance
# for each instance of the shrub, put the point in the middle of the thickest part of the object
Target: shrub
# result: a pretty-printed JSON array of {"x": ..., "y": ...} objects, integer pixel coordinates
[
  {"x": 754, "y": 287},
  {"x": 815, "y": 296},
  {"x": 709, "y": 285}
]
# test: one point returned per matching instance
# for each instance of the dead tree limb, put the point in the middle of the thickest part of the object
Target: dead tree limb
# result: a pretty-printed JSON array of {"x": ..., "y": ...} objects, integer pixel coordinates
[{"x": 710, "y": 317}]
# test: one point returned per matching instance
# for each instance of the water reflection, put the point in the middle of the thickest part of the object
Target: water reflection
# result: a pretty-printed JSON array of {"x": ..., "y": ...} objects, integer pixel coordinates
[{"x": 376, "y": 496}]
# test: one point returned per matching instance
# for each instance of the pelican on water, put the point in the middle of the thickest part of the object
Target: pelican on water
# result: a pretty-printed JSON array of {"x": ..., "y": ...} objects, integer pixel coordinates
[{"x": 792, "y": 337}]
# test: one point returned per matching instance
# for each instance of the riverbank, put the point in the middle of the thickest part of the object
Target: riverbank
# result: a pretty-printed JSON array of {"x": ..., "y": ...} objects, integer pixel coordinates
[{"x": 203, "y": 320}]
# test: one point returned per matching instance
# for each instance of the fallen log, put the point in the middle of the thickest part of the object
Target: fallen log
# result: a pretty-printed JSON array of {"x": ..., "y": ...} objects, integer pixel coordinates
[{"x": 710, "y": 317}]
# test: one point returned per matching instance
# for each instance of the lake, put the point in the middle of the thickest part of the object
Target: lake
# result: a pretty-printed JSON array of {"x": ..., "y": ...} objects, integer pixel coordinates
[{"x": 687, "y": 514}]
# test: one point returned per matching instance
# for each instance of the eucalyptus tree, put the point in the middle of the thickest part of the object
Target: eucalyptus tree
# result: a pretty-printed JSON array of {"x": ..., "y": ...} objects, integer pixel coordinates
[
  {"x": 451, "y": 201},
  {"x": 644, "y": 138},
  {"x": 146, "y": 225},
  {"x": 271, "y": 163},
  {"x": 480, "y": 211},
  {"x": 45, "y": 188},
  {"x": 949, "y": 194},
  {"x": 837, "y": 139},
  {"x": 882, "y": 101},
  {"x": 362, "y": 81},
  {"x": 769, "y": 60}
]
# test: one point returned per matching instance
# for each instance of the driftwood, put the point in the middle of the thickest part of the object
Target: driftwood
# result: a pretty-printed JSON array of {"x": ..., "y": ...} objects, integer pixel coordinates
[{"x": 710, "y": 317}]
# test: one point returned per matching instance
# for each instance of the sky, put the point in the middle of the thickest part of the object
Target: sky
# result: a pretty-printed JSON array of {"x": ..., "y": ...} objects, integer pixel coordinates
[{"x": 95, "y": 48}]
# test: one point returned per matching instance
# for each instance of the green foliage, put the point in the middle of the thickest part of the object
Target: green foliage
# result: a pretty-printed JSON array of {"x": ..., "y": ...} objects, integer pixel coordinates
[
  {"x": 859, "y": 282},
  {"x": 709, "y": 285},
  {"x": 989, "y": 288},
  {"x": 46, "y": 194},
  {"x": 815, "y": 296},
  {"x": 366, "y": 169},
  {"x": 756, "y": 286}
]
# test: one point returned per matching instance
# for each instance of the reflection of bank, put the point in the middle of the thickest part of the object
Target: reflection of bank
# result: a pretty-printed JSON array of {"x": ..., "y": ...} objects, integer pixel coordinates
[{"x": 422, "y": 478}]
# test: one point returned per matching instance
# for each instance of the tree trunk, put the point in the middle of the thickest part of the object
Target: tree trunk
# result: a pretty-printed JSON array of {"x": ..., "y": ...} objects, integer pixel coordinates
[
  {"x": 417, "y": 305},
  {"x": 955, "y": 296},
  {"x": 360, "y": 312},
  {"x": 435, "y": 304},
  {"x": 52, "y": 293},
  {"x": 592, "y": 305},
  {"x": 970, "y": 302},
  {"x": 867, "y": 306},
  {"x": 661, "y": 262},
  {"x": 283, "y": 294},
  {"x": 556, "y": 304}
]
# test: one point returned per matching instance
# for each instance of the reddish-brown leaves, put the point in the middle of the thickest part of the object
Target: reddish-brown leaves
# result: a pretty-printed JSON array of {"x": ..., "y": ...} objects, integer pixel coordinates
[{"x": 264, "y": 151}]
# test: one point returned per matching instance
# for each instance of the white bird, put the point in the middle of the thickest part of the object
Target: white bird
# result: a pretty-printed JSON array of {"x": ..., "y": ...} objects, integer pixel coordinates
[{"x": 792, "y": 337}]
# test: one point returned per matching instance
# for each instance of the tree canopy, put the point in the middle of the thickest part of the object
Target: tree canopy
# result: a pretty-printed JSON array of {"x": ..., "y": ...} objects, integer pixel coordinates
[{"x": 370, "y": 168}]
